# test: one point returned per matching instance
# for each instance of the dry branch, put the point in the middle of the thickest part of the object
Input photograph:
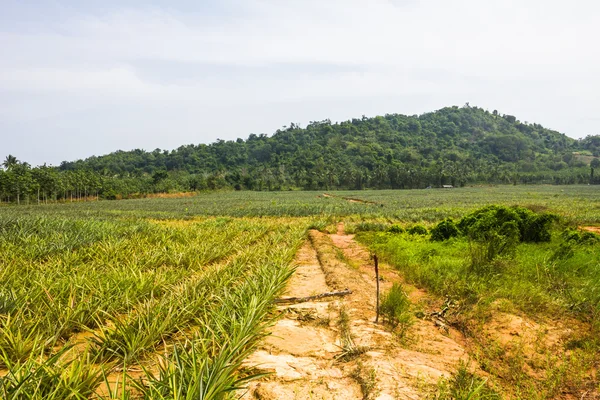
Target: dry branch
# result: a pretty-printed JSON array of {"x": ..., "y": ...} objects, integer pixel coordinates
[{"x": 315, "y": 297}]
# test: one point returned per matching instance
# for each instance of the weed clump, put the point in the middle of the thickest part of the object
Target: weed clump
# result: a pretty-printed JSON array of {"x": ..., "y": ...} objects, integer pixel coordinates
[
  {"x": 465, "y": 385},
  {"x": 495, "y": 231},
  {"x": 366, "y": 377},
  {"x": 395, "y": 308},
  {"x": 444, "y": 230},
  {"x": 349, "y": 349}
]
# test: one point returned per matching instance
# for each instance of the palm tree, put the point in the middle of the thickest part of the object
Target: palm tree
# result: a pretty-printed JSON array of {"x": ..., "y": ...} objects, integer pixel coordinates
[{"x": 10, "y": 162}]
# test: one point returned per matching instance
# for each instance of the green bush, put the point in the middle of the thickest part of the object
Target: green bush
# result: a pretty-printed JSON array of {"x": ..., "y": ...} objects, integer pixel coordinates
[
  {"x": 417, "y": 230},
  {"x": 577, "y": 237},
  {"x": 495, "y": 231},
  {"x": 589, "y": 238},
  {"x": 494, "y": 244},
  {"x": 367, "y": 226},
  {"x": 531, "y": 227},
  {"x": 564, "y": 251},
  {"x": 444, "y": 230},
  {"x": 535, "y": 227},
  {"x": 396, "y": 229},
  {"x": 571, "y": 235}
]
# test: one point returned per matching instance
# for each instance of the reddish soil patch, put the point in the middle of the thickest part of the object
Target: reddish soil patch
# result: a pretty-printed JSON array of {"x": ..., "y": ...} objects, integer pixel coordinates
[{"x": 593, "y": 229}]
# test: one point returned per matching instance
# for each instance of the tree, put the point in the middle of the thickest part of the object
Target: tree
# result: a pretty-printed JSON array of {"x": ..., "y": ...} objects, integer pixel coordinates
[
  {"x": 4, "y": 186},
  {"x": 20, "y": 180},
  {"x": 594, "y": 164},
  {"x": 10, "y": 162}
]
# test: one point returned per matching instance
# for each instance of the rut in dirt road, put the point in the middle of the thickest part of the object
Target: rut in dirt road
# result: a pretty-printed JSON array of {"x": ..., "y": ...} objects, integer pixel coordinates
[{"x": 300, "y": 353}]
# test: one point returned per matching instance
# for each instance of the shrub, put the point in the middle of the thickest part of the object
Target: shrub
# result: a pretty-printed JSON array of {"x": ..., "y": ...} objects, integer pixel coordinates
[
  {"x": 589, "y": 238},
  {"x": 367, "y": 226},
  {"x": 444, "y": 230},
  {"x": 531, "y": 227},
  {"x": 417, "y": 230},
  {"x": 563, "y": 251},
  {"x": 497, "y": 230},
  {"x": 577, "y": 237},
  {"x": 571, "y": 235},
  {"x": 396, "y": 229},
  {"x": 535, "y": 227},
  {"x": 492, "y": 244}
]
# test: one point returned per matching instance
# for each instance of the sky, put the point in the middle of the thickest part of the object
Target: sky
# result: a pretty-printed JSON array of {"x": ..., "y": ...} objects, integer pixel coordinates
[{"x": 81, "y": 77}]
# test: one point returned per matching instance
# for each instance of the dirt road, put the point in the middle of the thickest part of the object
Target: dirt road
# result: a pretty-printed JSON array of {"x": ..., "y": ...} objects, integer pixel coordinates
[{"x": 303, "y": 352}]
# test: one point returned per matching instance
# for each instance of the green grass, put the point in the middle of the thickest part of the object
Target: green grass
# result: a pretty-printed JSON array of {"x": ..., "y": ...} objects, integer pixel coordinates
[
  {"x": 464, "y": 385},
  {"x": 535, "y": 279},
  {"x": 555, "y": 280}
]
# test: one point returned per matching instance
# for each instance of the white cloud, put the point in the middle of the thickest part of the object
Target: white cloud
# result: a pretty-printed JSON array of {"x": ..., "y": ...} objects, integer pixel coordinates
[{"x": 533, "y": 58}]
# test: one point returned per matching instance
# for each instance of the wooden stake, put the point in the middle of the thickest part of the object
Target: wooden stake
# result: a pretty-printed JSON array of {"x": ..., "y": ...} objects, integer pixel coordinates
[{"x": 377, "y": 279}]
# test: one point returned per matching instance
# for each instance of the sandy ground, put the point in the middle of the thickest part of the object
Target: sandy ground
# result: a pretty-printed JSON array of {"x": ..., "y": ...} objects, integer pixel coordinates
[
  {"x": 593, "y": 229},
  {"x": 301, "y": 352}
]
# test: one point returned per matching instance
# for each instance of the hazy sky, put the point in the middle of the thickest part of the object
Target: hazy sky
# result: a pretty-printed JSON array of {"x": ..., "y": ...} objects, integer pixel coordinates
[{"x": 82, "y": 77}]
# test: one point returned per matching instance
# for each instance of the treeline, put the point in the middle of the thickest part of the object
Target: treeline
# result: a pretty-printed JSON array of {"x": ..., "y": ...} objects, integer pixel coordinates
[
  {"x": 19, "y": 182},
  {"x": 452, "y": 146}
]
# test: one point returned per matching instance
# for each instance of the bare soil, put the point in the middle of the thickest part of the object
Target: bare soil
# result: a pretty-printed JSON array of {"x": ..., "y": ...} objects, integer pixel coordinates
[
  {"x": 301, "y": 352},
  {"x": 593, "y": 229}
]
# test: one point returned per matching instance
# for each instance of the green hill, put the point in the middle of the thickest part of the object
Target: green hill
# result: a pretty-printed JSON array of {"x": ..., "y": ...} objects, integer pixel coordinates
[{"x": 454, "y": 145}]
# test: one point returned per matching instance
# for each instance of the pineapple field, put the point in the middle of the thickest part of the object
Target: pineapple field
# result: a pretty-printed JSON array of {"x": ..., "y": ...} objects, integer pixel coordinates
[{"x": 486, "y": 292}]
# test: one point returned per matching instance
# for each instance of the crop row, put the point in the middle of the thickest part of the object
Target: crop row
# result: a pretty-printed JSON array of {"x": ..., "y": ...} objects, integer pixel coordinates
[
  {"x": 579, "y": 203},
  {"x": 132, "y": 284}
]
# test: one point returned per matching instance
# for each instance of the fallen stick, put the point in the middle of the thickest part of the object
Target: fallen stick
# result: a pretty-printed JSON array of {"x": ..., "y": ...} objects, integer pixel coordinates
[{"x": 315, "y": 297}]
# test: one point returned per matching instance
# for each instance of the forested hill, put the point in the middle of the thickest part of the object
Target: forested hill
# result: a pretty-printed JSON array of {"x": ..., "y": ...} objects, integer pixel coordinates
[{"x": 454, "y": 145}]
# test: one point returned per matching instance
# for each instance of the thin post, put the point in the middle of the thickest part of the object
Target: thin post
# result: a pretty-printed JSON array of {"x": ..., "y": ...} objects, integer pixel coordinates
[{"x": 377, "y": 280}]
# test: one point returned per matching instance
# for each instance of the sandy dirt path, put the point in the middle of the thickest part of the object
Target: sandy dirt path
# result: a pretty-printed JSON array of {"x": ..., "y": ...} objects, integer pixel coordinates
[{"x": 302, "y": 352}]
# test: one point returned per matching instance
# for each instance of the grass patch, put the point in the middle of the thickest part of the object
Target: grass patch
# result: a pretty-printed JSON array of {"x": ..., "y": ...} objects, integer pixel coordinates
[
  {"x": 395, "y": 309},
  {"x": 464, "y": 385}
]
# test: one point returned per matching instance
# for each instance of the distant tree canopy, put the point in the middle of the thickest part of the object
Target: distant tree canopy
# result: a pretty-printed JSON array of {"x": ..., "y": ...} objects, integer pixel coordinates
[{"x": 451, "y": 146}]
